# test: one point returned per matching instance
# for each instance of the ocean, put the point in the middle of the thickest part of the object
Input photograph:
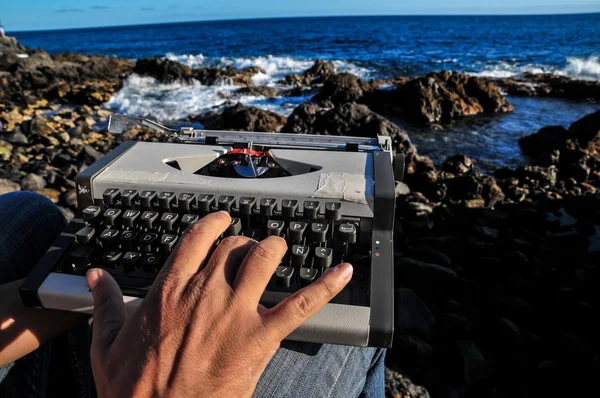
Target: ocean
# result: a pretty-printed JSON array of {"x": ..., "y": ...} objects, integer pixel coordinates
[{"x": 369, "y": 47}]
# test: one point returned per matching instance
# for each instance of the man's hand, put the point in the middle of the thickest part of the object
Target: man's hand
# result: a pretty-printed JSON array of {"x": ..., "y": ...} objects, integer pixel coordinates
[{"x": 200, "y": 330}]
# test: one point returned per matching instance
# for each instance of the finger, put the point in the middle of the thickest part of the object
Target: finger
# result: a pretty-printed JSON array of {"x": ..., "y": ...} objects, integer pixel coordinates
[
  {"x": 194, "y": 246},
  {"x": 286, "y": 316},
  {"x": 227, "y": 257},
  {"x": 109, "y": 309},
  {"x": 257, "y": 268}
]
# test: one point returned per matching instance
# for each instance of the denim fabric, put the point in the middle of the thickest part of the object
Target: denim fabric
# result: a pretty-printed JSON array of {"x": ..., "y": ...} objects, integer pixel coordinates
[{"x": 30, "y": 223}]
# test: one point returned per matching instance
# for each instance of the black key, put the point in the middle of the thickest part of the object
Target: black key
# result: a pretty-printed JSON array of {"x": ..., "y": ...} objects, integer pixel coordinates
[
  {"x": 167, "y": 241},
  {"x": 167, "y": 221},
  {"x": 84, "y": 235},
  {"x": 332, "y": 210},
  {"x": 311, "y": 209},
  {"x": 165, "y": 199},
  {"x": 128, "y": 197},
  {"x": 254, "y": 233},
  {"x": 108, "y": 237},
  {"x": 234, "y": 227},
  {"x": 80, "y": 259},
  {"x": 296, "y": 231},
  {"x": 205, "y": 202},
  {"x": 323, "y": 257},
  {"x": 111, "y": 215},
  {"x": 283, "y": 275},
  {"x": 147, "y": 197},
  {"x": 319, "y": 232},
  {"x": 347, "y": 232},
  {"x": 188, "y": 219},
  {"x": 91, "y": 212},
  {"x": 110, "y": 196},
  {"x": 299, "y": 254},
  {"x": 186, "y": 201},
  {"x": 226, "y": 202},
  {"x": 81, "y": 256},
  {"x": 128, "y": 239},
  {"x": 288, "y": 208},
  {"x": 148, "y": 218},
  {"x": 111, "y": 257},
  {"x": 267, "y": 206},
  {"x": 308, "y": 275},
  {"x": 151, "y": 262},
  {"x": 130, "y": 261},
  {"x": 130, "y": 217},
  {"x": 146, "y": 240},
  {"x": 246, "y": 205},
  {"x": 274, "y": 227}
]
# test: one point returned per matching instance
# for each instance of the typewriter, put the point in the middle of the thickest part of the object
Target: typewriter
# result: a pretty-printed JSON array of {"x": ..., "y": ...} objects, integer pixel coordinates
[{"x": 332, "y": 198}]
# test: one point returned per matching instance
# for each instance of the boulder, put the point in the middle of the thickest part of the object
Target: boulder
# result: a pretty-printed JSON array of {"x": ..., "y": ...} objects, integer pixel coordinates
[
  {"x": 241, "y": 117},
  {"x": 264, "y": 91},
  {"x": 458, "y": 164},
  {"x": 412, "y": 315},
  {"x": 340, "y": 89},
  {"x": 163, "y": 70},
  {"x": 548, "y": 85},
  {"x": 439, "y": 97},
  {"x": 316, "y": 74},
  {"x": 545, "y": 140}
]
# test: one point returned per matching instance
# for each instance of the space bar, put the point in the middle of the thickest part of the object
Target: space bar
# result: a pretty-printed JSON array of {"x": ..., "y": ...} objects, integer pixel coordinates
[{"x": 137, "y": 287}]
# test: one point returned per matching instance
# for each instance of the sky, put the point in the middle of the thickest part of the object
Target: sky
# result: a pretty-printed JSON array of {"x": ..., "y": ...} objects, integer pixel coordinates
[{"x": 22, "y": 15}]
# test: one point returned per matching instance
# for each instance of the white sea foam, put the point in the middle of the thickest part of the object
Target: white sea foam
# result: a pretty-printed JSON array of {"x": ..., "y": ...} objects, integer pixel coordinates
[
  {"x": 576, "y": 68},
  {"x": 143, "y": 96}
]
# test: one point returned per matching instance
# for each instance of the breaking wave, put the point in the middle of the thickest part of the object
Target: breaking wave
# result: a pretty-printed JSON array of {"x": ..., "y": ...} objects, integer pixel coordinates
[{"x": 576, "y": 68}]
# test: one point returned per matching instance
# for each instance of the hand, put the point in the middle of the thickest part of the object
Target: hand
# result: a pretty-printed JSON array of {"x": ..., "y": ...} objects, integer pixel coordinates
[{"x": 200, "y": 330}]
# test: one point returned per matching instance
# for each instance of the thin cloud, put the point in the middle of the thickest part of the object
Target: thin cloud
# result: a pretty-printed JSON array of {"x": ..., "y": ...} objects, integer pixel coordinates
[
  {"x": 71, "y": 9},
  {"x": 99, "y": 7},
  {"x": 147, "y": 9},
  {"x": 172, "y": 6}
]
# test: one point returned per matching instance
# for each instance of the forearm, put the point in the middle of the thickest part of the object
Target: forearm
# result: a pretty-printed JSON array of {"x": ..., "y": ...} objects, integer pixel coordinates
[{"x": 23, "y": 329}]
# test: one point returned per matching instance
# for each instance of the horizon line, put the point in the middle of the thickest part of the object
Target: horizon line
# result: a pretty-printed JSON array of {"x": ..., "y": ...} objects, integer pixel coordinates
[{"x": 307, "y": 17}]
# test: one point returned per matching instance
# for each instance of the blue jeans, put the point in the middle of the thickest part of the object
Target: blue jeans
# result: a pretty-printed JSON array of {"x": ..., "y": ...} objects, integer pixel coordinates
[{"x": 31, "y": 222}]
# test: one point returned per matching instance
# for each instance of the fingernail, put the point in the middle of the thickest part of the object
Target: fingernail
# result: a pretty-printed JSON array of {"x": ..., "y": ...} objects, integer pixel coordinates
[
  {"x": 93, "y": 276},
  {"x": 345, "y": 270}
]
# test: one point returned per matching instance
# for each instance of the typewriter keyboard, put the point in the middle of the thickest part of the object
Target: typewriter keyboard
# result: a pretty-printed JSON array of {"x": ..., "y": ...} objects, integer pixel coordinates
[{"x": 131, "y": 233}]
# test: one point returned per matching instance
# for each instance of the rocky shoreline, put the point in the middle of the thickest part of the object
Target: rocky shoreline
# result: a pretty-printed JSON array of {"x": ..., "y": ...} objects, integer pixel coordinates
[{"x": 496, "y": 276}]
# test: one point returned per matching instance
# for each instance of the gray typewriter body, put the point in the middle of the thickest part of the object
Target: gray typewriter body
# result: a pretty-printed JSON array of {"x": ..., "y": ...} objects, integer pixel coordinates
[{"x": 355, "y": 174}]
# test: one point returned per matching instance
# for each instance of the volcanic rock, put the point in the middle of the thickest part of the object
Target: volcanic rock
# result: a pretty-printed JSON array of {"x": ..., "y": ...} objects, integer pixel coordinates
[
  {"x": 241, "y": 117},
  {"x": 163, "y": 70}
]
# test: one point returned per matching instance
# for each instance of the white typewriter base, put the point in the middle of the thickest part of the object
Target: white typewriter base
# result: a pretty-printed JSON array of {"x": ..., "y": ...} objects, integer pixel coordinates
[{"x": 334, "y": 324}]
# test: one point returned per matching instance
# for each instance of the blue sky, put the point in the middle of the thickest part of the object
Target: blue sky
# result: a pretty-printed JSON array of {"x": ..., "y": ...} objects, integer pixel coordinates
[{"x": 61, "y": 14}]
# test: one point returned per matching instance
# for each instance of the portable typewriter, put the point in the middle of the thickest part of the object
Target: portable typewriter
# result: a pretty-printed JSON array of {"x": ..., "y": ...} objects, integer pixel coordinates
[{"x": 332, "y": 198}]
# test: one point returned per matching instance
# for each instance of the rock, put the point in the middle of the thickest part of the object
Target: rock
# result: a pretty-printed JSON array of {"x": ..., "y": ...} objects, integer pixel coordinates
[
  {"x": 548, "y": 85},
  {"x": 50, "y": 193},
  {"x": 401, "y": 189},
  {"x": 398, "y": 385},
  {"x": 91, "y": 154},
  {"x": 8, "y": 186},
  {"x": 33, "y": 182},
  {"x": 37, "y": 126},
  {"x": 439, "y": 97},
  {"x": 241, "y": 117},
  {"x": 316, "y": 74},
  {"x": 69, "y": 198},
  {"x": 18, "y": 138},
  {"x": 264, "y": 91},
  {"x": 425, "y": 277},
  {"x": 458, "y": 164},
  {"x": 475, "y": 366},
  {"x": 163, "y": 70},
  {"x": 545, "y": 140},
  {"x": 410, "y": 352},
  {"x": 5, "y": 151},
  {"x": 587, "y": 131},
  {"x": 302, "y": 120},
  {"x": 412, "y": 315},
  {"x": 340, "y": 89}
]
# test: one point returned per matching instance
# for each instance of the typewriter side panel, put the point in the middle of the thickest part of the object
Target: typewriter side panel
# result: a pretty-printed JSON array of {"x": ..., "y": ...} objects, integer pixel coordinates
[
  {"x": 84, "y": 180},
  {"x": 382, "y": 264}
]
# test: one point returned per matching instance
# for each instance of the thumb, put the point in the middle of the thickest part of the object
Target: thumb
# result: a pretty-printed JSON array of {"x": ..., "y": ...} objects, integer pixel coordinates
[{"x": 109, "y": 310}]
